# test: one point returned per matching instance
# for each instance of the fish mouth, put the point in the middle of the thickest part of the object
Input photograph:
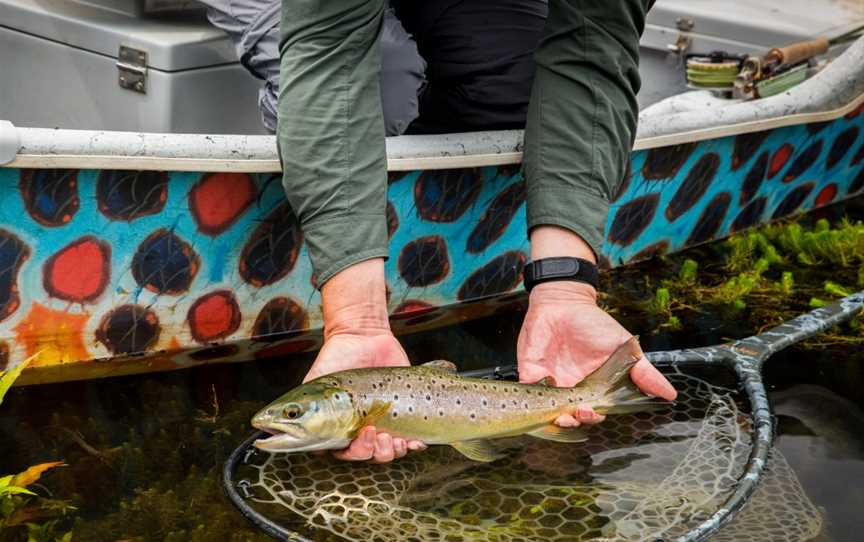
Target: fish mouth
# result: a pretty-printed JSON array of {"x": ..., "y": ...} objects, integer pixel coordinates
[{"x": 282, "y": 437}]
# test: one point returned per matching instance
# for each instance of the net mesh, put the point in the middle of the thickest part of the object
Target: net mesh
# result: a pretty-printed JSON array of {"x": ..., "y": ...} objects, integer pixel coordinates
[{"x": 640, "y": 477}]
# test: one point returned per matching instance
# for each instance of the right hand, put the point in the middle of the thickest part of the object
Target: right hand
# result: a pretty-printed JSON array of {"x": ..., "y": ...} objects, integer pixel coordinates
[{"x": 357, "y": 335}]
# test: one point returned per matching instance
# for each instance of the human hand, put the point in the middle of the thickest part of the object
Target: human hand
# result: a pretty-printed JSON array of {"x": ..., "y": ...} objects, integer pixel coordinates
[
  {"x": 566, "y": 336},
  {"x": 357, "y": 335}
]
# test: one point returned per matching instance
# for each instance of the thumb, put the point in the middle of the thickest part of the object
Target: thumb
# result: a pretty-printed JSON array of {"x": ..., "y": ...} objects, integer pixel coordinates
[
  {"x": 530, "y": 373},
  {"x": 651, "y": 381}
]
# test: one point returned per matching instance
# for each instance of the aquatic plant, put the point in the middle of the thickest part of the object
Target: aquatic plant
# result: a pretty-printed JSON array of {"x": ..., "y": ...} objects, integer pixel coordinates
[{"x": 20, "y": 508}]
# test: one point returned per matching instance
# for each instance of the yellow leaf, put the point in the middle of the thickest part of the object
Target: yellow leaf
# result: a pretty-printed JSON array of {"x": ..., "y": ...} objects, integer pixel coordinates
[
  {"x": 8, "y": 377},
  {"x": 32, "y": 474}
]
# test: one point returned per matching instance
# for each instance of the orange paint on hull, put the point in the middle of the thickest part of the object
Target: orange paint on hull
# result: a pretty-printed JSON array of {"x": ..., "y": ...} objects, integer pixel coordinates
[{"x": 53, "y": 336}]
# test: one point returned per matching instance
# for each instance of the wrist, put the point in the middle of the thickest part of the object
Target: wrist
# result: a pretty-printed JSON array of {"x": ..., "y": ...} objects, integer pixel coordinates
[
  {"x": 355, "y": 300},
  {"x": 563, "y": 292},
  {"x": 549, "y": 241}
]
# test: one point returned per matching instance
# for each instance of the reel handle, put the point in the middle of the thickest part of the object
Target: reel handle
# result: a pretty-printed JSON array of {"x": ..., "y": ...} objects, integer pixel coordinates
[{"x": 798, "y": 52}]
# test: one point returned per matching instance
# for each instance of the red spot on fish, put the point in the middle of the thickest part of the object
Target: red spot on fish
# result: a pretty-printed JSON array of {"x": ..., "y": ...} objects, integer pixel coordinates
[
  {"x": 79, "y": 272},
  {"x": 779, "y": 159},
  {"x": 826, "y": 195},
  {"x": 411, "y": 308},
  {"x": 218, "y": 200},
  {"x": 214, "y": 316}
]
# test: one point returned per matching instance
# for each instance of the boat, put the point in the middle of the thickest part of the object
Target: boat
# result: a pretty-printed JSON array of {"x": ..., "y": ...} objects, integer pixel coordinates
[{"x": 128, "y": 251}]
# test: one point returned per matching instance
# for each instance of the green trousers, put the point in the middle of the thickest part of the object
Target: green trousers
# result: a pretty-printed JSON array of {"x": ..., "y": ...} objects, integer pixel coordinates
[{"x": 580, "y": 130}]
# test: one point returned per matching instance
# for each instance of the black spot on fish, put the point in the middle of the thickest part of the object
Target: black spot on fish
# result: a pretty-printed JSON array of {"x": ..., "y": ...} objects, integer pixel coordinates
[
  {"x": 50, "y": 195},
  {"x": 842, "y": 144},
  {"x": 664, "y": 162},
  {"x": 710, "y": 220},
  {"x": 500, "y": 275},
  {"x": 395, "y": 413},
  {"x": 473, "y": 416},
  {"x": 632, "y": 218},
  {"x": 792, "y": 201},
  {"x": 395, "y": 397},
  {"x": 272, "y": 249},
  {"x": 444, "y": 195},
  {"x": 694, "y": 186},
  {"x": 750, "y": 215},
  {"x": 496, "y": 218},
  {"x": 503, "y": 406},
  {"x": 441, "y": 413},
  {"x": 424, "y": 261},
  {"x": 428, "y": 397},
  {"x": 803, "y": 162},
  {"x": 127, "y": 195},
  {"x": 753, "y": 179},
  {"x": 746, "y": 146}
]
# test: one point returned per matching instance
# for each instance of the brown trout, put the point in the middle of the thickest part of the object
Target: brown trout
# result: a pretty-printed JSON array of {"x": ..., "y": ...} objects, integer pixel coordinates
[{"x": 433, "y": 404}]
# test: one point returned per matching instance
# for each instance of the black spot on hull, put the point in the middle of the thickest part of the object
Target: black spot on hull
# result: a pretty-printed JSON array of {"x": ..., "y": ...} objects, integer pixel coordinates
[
  {"x": 127, "y": 195},
  {"x": 165, "y": 264},
  {"x": 712, "y": 218},
  {"x": 816, "y": 127},
  {"x": 746, "y": 146},
  {"x": 652, "y": 251},
  {"x": 500, "y": 275},
  {"x": 857, "y": 183},
  {"x": 424, "y": 261},
  {"x": 272, "y": 249},
  {"x": 129, "y": 329},
  {"x": 279, "y": 316},
  {"x": 444, "y": 195},
  {"x": 664, "y": 162},
  {"x": 625, "y": 182},
  {"x": 13, "y": 253},
  {"x": 859, "y": 156},
  {"x": 792, "y": 201},
  {"x": 392, "y": 220},
  {"x": 750, "y": 215},
  {"x": 694, "y": 186},
  {"x": 496, "y": 218},
  {"x": 50, "y": 195},
  {"x": 753, "y": 179},
  {"x": 632, "y": 218},
  {"x": 803, "y": 162},
  {"x": 841, "y": 146}
]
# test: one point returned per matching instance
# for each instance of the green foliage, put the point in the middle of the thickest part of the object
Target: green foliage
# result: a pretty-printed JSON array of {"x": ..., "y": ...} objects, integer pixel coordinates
[
  {"x": 688, "y": 272},
  {"x": 8, "y": 377}
]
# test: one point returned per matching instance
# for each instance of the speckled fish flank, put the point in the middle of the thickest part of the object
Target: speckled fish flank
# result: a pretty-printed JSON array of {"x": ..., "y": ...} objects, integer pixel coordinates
[{"x": 431, "y": 403}]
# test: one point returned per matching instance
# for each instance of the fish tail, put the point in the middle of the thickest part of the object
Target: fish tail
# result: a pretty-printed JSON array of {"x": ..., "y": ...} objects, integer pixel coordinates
[{"x": 619, "y": 394}]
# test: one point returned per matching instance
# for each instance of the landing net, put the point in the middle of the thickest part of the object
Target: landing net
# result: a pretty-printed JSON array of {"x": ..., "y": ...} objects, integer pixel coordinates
[{"x": 683, "y": 473}]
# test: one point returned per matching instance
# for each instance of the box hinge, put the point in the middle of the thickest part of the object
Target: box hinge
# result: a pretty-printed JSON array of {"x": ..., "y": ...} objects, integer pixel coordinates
[{"x": 132, "y": 69}]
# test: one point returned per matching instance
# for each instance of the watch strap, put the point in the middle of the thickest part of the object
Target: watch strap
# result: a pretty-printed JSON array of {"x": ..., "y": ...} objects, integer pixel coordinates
[{"x": 562, "y": 268}]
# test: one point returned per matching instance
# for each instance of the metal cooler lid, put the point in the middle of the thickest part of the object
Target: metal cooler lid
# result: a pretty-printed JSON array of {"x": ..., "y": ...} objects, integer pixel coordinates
[
  {"x": 172, "y": 42},
  {"x": 761, "y": 23}
]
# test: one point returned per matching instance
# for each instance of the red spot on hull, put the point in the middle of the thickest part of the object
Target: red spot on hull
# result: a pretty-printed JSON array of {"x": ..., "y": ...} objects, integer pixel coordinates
[
  {"x": 214, "y": 316},
  {"x": 779, "y": 159},
  {"x": 411, "y": 308},
  {"x": 826, "y": 195},
  {"x": 79, "y": 272},
  {"x": 219, "y": 199},
  {"x": 286, "y": 348}
]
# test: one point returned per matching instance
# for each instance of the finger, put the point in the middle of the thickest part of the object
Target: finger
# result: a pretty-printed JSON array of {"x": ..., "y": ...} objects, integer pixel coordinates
[
  {"x": 585, "y": 414},
  {"x": 416, "y": 445},
  {"x": 651, "y": 381},
  {"x": 383, "y": 449},
  {"x": 361, "y": 448},
  {"x": 566, "y": 420},
  {"x": 400, "y": 447}
]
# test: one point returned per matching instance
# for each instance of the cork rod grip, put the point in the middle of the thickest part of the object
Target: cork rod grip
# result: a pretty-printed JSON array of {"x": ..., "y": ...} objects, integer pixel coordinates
[{"x": 797, "y": 52}]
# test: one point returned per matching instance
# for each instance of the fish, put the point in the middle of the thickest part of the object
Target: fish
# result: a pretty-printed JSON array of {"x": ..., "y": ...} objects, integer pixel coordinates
[{"x": 433, "y": 404}]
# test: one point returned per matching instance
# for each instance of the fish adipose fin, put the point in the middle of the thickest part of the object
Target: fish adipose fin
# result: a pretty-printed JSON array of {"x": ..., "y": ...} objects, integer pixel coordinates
[
  {"x": 560, "y": 434},
  {"x": 620, "y": 394},
  {"x": 478, "y": 450},
  {"x": 441, "y": 365}
]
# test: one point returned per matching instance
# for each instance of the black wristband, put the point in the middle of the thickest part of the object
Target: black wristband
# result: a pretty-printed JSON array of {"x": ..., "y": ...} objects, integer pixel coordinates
[{"x": 549, "y": 269}]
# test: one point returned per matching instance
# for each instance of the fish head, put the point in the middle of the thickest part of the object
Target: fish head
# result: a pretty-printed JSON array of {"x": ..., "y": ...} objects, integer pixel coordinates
[{"x": 319, "y": 415}]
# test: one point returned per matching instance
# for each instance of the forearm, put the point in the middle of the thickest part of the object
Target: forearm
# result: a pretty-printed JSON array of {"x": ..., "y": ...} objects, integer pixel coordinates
[
  {"x": 582, "y": 116},
  {"x": 331, "y": 133},
  {"x": 355, "y": 300}
]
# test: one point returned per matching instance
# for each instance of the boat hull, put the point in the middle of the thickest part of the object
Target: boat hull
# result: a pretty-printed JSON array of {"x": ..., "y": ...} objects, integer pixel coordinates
[{"x": 109, "y": 272}]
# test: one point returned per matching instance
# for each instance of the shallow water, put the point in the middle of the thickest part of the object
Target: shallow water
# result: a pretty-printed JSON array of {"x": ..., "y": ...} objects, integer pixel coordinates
[{"x": 144, "y": 452}]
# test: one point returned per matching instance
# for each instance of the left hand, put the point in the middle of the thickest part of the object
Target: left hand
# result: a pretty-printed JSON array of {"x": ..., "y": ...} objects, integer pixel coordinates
[{"x": 566, "y": 336}]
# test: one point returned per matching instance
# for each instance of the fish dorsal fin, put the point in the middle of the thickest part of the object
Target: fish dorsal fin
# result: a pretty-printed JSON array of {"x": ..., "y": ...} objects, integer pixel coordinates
[
  {"x": 615, "y": 371},
  {"x": 441, "y": 365},
  {"x": 560, "y": 434},
  {"x": 547, "y": 381},
  {"x": 375, "y": 412},
  {"x": 477, "y": 449}
]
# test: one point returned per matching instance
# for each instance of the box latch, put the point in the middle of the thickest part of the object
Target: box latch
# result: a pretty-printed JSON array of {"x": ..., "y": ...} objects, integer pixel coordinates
[{"x": 132, "y": 68}]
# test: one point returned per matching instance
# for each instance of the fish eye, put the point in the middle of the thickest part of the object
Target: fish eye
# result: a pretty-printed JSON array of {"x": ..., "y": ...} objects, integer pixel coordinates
[{"x": 292, "y": 412}]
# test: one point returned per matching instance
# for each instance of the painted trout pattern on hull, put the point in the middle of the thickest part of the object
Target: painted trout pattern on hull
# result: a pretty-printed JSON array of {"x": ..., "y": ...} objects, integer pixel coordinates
[{"x": 433, "y": 404}]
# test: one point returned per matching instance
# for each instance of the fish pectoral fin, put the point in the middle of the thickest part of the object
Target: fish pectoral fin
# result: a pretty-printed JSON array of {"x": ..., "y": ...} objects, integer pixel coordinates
[
  {"x": 375, "y": 412},
  {"x": 560, "y": 434},
  {"x": 441, "y": 365},
  {"x": 478, "y": 450}
]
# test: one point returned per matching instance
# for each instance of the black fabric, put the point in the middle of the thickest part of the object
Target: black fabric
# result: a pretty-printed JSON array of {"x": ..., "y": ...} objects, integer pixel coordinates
[{"x": 480, "y": 61}]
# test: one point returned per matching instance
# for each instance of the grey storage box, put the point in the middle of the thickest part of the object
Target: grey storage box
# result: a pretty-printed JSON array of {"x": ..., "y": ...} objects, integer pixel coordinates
[{"x": 137, "y": 65}]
